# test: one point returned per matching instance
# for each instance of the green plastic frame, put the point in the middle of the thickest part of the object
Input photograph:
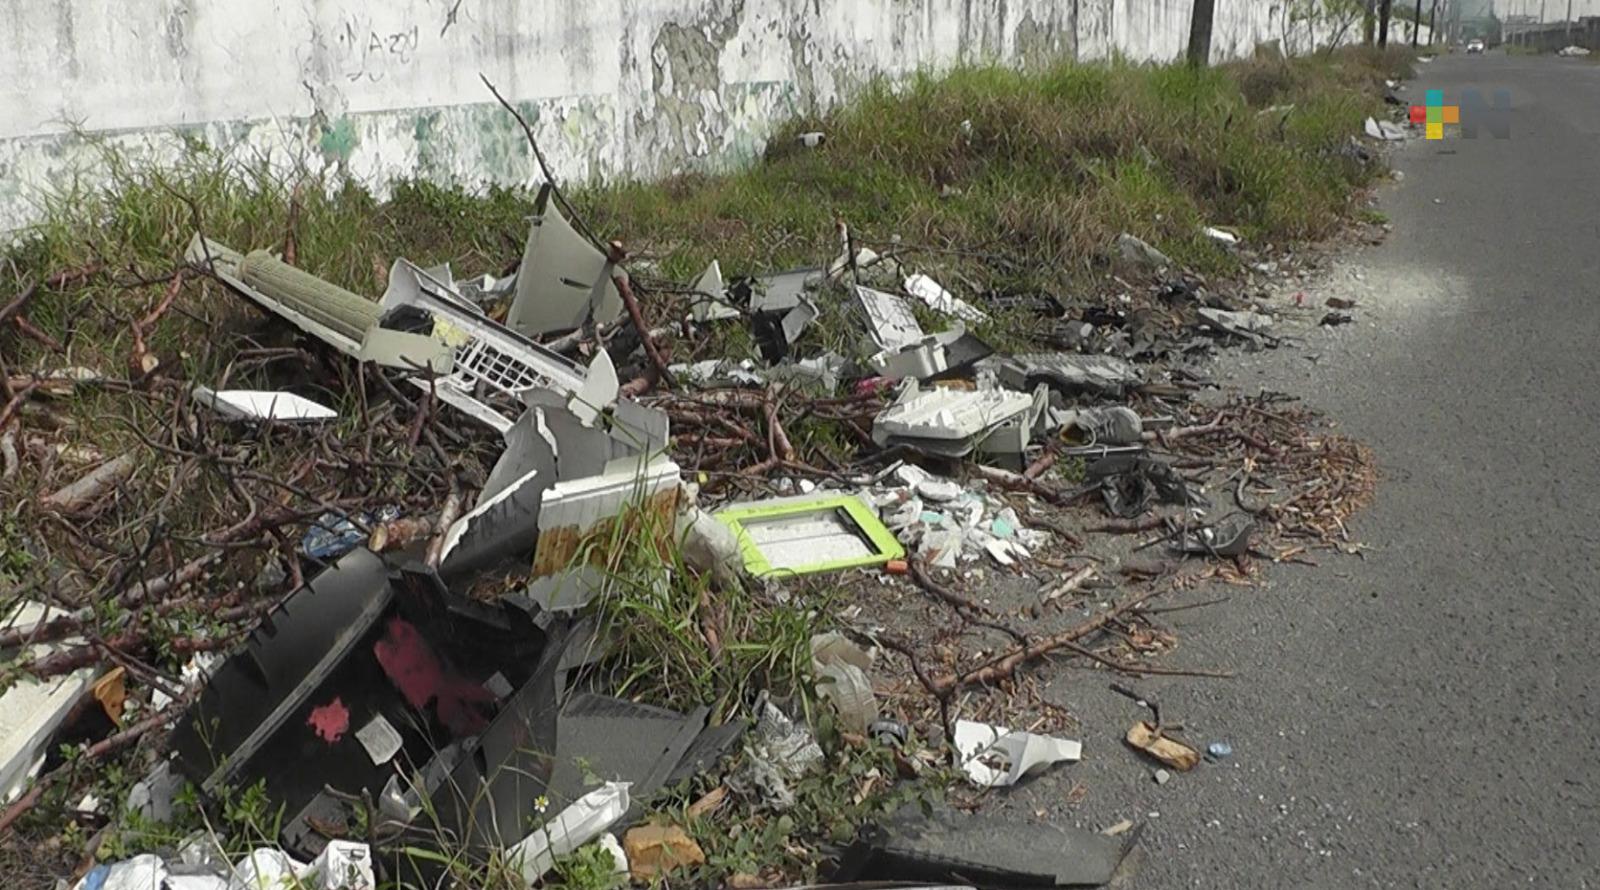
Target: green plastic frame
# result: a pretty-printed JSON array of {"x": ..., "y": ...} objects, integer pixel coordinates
[{"x": 755, "y": 562}]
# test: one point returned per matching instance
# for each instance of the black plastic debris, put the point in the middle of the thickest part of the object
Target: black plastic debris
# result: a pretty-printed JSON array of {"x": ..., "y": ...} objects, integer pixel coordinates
[
  {"x": 613, "y": 740},
  {"x": 1071, "y": 374},
  {"x": 1334, "y": 319},
  {"x": 1131, "y": 484},
  {"x": 986, "y": 852},
  {"x": 1040, "y": 303},
  {"x": 374, "y": 680}
]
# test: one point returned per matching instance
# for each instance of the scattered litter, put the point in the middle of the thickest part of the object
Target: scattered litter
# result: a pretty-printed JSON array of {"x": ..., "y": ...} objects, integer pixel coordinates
[
  {"x": 1162, "y": 777},
  {"x": 709, "y": 544},
  {"x": 342, "y": 865},
  {"x": 1106, "y": 425},
  {"x": 619, "y": 856},
  {"x": 584, "y": 820},
  {"x": 804, "y": 535},
  {"x": 951, "y": 422},
  {"x": 247, "y": 404},
  {"x": 152, "y": 797},
  {"x": 889, "y": 732},
  {"x": 1147, "y": 738},
  {"x": 843, "y": 671},
  {"x": 1570, "y": 51},
  {"x": 1132, "y": 484},
  {"x": 111, "y": 692},
  {"x": 143, "y": 872},
  {"x": 1340, "y": 303},
  {"x": 332, "y": 536},
  {"x": 265, "y": 868},
  {"x": 655, "y": 850},
  {"x": 939, "y": 490},
  {"x": 995, "y": 757},
  {"x": 1334, "y": 319},
  {"x": 1136, "y": 251},
  {"x": 778, "y": 753},
  {"x": 1221, "y": 236},
  {"x": 812, "y": 139},
  {"x": 1121, "y": 827},
  {"x": 1219, "y": 750},
  {"x": 1385, "y": 130},
  {"x": 1072, "y": 374},
  {"x": 1242, "y": 324},
  {"x": 1229, "y": 537}
]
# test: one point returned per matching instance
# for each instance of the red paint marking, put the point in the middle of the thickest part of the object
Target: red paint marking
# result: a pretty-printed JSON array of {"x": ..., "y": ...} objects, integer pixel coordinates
[
  {"x": 1419, "y": 114},
  {"x": 421, "y": 677},
  {"x": 331, "y": 721}
]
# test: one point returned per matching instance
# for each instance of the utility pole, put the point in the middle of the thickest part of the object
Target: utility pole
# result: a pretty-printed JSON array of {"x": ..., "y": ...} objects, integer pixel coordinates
[
  {"x": 1200, "y": 33},
  {"x": 1383, "y": 22},
  {"x": 1569, "y": 21}
]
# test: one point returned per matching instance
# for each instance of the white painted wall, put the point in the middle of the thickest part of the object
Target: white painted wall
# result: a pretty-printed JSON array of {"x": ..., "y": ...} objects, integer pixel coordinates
[{"x": 389, "y": 88}]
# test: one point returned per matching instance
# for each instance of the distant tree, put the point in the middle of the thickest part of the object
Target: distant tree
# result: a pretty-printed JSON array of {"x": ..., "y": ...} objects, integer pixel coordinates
[
  {"x": 1336, "y": 18},
  {"x": 1200, "y": 32},
  {"x": 1383, "y": 22}
]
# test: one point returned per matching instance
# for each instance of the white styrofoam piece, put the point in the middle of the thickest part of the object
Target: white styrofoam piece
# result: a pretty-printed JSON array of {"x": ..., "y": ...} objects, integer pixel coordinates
[
  {"x": 1021, "y": 752},
  {"x": 952, "y": 414},
  {"x": 253, "y": 404},
  {"x": 940, "y": 300}
]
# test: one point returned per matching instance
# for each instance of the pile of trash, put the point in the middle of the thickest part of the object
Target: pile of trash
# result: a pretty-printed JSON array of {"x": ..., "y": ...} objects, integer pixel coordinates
[{"x": 433, "y": 671}]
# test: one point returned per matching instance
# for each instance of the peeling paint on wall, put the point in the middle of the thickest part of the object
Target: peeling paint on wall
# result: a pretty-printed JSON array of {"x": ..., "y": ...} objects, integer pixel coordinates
[{"x": 389, "y": 89}]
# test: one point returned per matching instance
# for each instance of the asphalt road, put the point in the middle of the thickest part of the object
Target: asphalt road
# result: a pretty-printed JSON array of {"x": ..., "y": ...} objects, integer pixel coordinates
[{"x": 1427, "y": 716}]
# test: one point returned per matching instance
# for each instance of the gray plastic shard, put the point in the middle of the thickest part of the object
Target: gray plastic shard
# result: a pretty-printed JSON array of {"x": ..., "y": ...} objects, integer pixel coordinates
[
  {"x": 783, "y": 291},
  {"x": 503, "y": 527},
  {"x": 711, "y": 296},
  {"x": 564, "y": 279},
  {"x": 343, "y": 320},
  {"x": 1070, "y": 372},
  {"x": 889, "y": 319},
  {"x": 495, "y": 366}
]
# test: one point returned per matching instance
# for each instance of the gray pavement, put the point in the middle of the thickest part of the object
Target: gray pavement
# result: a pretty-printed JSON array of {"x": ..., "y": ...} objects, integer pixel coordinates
[{"x": 1427, "y": 716}]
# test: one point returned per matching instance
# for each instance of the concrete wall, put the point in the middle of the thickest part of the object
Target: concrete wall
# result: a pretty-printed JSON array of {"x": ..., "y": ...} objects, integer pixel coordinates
[
  {"x": 1553, "y": 36},
  {"x": 389, "y": 88}
]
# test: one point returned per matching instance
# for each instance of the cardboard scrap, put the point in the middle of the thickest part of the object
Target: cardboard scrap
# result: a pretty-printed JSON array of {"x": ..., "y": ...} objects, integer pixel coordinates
[
  {"x": 1172, "y": 752},
  {"x": 111, "y": 691},
  {"x": 654, "y": 849}
]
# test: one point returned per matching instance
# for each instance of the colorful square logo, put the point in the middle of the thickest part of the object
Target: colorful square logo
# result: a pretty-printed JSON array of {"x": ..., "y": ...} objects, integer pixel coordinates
[{"x": 1433, "y": 114}]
